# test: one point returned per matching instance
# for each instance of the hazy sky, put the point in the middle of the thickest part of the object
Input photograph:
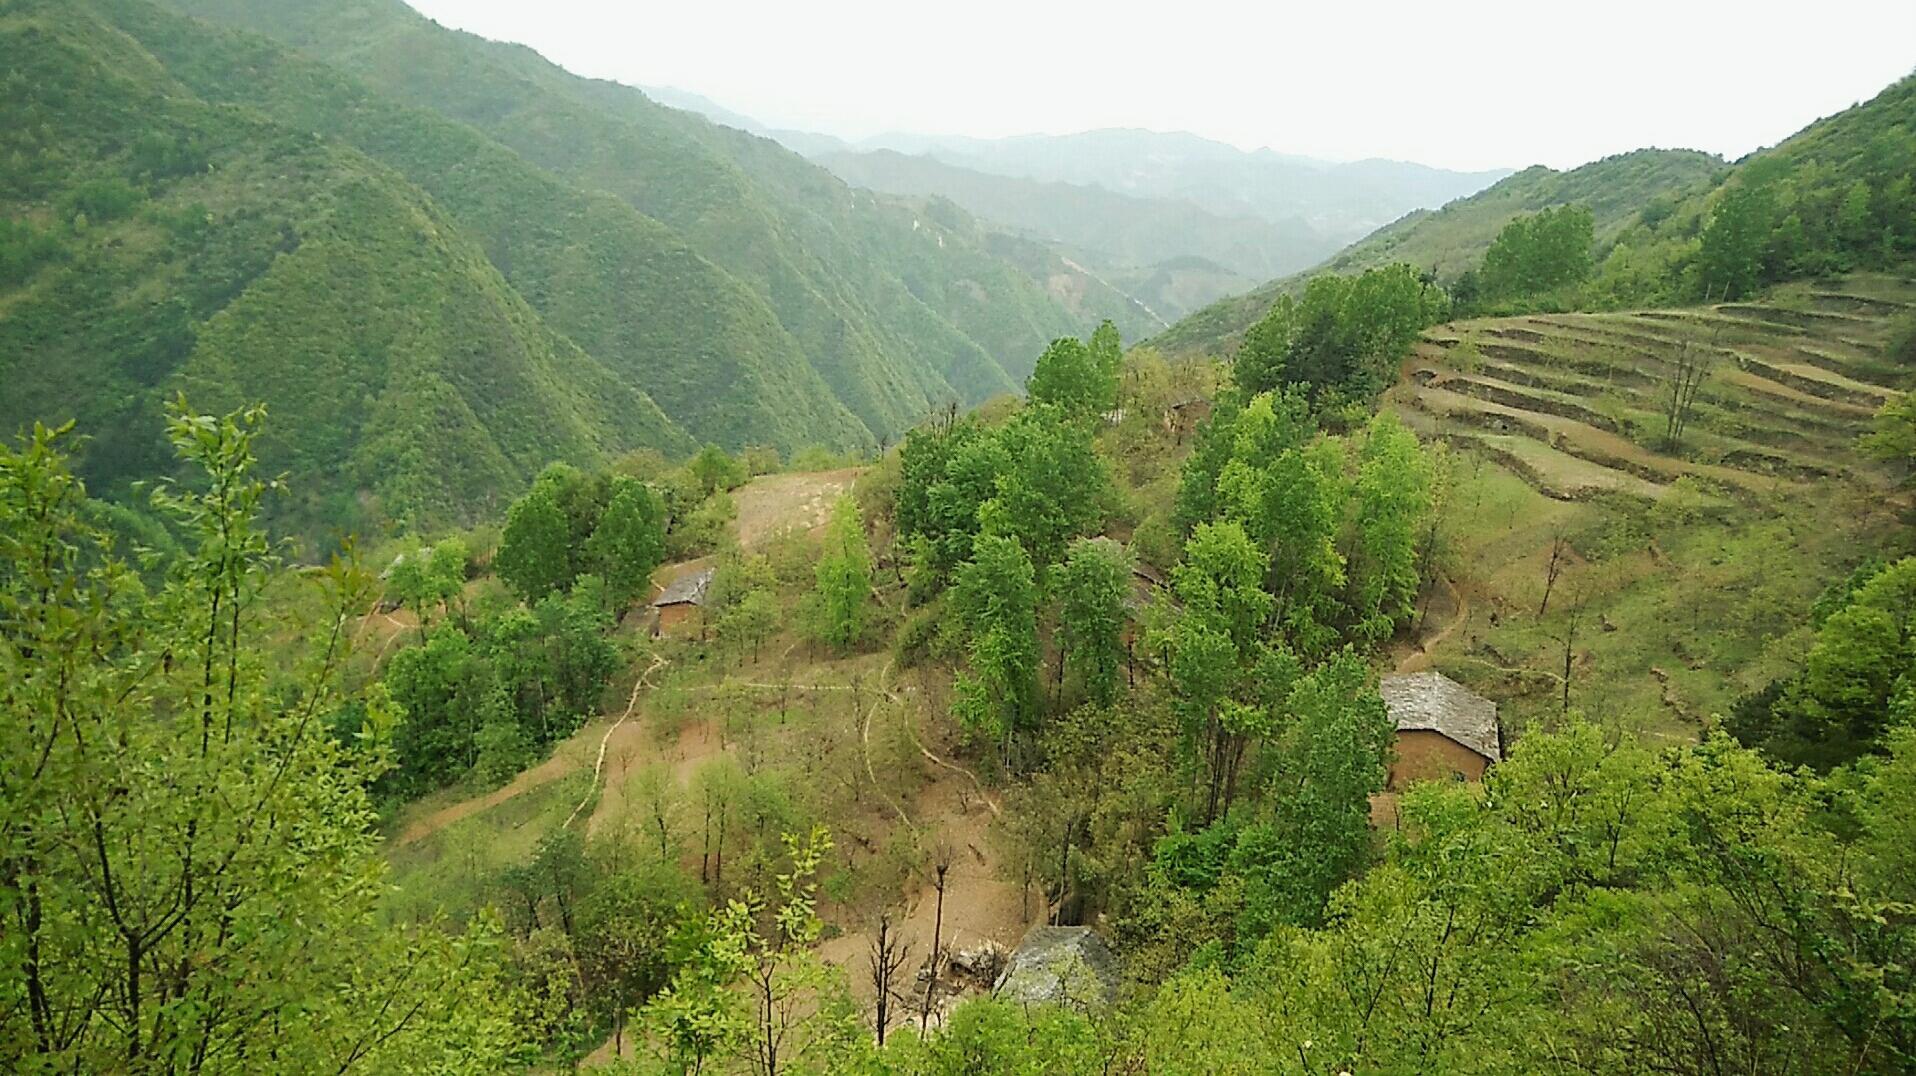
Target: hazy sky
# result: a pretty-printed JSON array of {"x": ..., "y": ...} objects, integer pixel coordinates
[{"x": 1459, "y": 84}]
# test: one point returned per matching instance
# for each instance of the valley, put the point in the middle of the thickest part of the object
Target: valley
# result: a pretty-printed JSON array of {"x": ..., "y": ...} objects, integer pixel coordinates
[{"x": 507, "y": 571}]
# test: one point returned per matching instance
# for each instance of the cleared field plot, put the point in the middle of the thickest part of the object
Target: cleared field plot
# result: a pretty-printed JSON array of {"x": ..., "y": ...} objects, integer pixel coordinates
[{"x": 1685, "y": 562}]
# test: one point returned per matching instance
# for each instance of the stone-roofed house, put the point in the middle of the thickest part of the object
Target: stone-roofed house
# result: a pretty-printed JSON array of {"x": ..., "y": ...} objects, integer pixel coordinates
[
  {"x": 1444, "y": 729},
  {"x": 1060, "y": 966},
  {"x": 678, "y": 605}
]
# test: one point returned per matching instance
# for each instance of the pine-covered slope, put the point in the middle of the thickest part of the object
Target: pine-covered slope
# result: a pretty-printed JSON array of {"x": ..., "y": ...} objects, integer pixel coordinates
[{"x": 158, "y": 242}]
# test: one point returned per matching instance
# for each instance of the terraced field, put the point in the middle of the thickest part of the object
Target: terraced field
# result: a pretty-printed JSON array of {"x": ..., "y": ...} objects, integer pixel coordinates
[
  {"x": 1577, "y": 403},
  {"x": 1685, "y": 566}
]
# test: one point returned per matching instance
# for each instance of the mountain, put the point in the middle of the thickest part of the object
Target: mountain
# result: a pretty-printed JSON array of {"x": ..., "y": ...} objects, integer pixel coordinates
[
  {"x": 163, "y": 242},
  {"x": 896, "y": 316},
  {"x": 1173, "y": 221},
  {"x": 560, "y": 269},
  {"x": 1452, "y": 239},
  {"x": 1342, "y": 201},
  {"x": 1114, "y": 232}
]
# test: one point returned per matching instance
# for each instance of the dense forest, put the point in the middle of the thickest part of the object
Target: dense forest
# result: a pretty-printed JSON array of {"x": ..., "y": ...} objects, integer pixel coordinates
[{"x": 498, "y": 575}]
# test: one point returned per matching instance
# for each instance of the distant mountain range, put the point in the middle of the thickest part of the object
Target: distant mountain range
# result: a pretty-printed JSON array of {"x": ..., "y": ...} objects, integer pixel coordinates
[{"x": 1173, "y": 219}]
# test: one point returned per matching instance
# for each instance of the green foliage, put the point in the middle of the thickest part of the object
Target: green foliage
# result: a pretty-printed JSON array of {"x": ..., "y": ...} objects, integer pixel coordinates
[
  {"x": 489, "y": 701},
  {"x": 1855, "y": 679},
  {"x": 1093, "y": 586},
  {"x": 1730, "y": 261},
  {"x": 996, "y": 595},
  {"x": 1342, "y": 340},
  {"x": 1038, "y": 478},
  {"x": 714, "y": 470},
  {"x": 189, "y": 863},
  {"x": 843, "y": 578},
  {"x": 628, "y": 541},
  {"x": 1538, "y": 253},
  {"x": 751, "y": 989},
  {"x": 1392, "y": 498},
  {"x": 535, "y": 551},
  {"x": 1080, "y": 382}
]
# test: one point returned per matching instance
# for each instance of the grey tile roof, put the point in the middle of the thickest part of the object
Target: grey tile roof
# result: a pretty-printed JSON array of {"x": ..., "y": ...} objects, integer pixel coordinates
[
  {"x": 687, "y": 588},
  {"x": 1431, "y": 701}
]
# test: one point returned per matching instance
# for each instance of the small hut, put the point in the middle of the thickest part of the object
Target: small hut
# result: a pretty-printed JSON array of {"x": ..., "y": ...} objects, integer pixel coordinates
[
  {"x": 679, "y": 605},
  {"x": 1060, "y": 966},
  {"x": 1444, "y": 729}
]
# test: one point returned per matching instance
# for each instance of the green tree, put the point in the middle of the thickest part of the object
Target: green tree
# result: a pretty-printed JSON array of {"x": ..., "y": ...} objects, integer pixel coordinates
[
  {"x": 714, "y": 470},
  {"x": 1093, "y": 588},
  {"x": 1051, "y": 485},
  {"x": 628, "y": 542},
  {"x": 1730, "y": 261},
  {"x": 996, "y": 593},
  {"x": 1538, "y": 253},
  {"x": 1342, "y": 339},
  {"x": 1392, "y": 494},
  {"x": 844, "y": 578},
  {"x": 1078, "y": 381},
  {"x": 1107, "y": 350},
  {"x": 535, "y": 550},
  {"x": 429, "y": 578},
  {"x": 188, "y": 869},
  {"x": 753, "y": 988}
]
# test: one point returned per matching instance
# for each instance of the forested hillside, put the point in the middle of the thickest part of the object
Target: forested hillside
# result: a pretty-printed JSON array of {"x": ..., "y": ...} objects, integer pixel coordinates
[
  {"x": 1453, "y": 239},
  {"x": 883, "y": 308},
  {"x": 1668, "y": 226},
  {"x": 147, "y": 252},
  {"x": 162, "y": 242}
]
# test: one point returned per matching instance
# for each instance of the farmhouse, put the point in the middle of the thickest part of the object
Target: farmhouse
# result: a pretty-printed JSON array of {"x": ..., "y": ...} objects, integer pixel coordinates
[
  {"x": 1445, "y": 731},
  {"x": 679, "y": 606}
]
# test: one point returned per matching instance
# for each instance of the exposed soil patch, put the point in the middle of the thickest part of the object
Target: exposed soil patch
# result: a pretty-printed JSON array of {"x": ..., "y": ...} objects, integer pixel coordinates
[{"x": 776, "y": 502}]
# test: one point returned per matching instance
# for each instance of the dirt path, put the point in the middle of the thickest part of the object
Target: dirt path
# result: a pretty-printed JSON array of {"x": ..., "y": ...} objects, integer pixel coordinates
[
  {"x": 1418, "y": 659},
  {"x": 598, "y": 765},
  {"x": 558, "y": 765}
]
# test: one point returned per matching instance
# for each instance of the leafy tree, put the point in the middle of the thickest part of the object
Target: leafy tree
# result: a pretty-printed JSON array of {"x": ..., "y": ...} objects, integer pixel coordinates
[
  {"x": 628, "y": 541},
  {"x": 1070, "y": 376},
  {"x": 535, "y": 550},
  {"x": 1342, "y": 340},
  {"x": 753, "y": 989},
  {"x": 996, "y": 593},
  {"x": 844, "y": 578},
  {"x": 429, "y": 578},
  {"x": 751, "y": 620},
  {"x": 1107, "y": 350},
  {"x": 742, "y": 599},
  {"x": 1214, "y": 644},
  {"x": 714, "y": 470},
  {"x": 1731, "y": 259},
  {"x": 1540, "y": 252},
  {"x": 442, "y": 688},
  {"x": 1093, "y": 587},
  {"x": 188, "y": 869},
  {"x": 1392, "y": 495},
  {"x": 626, "y": 925},
  {"x": 1893, "y": 437},
  {"x": 1287, "y": 497},
  {"x": 1051, "y": 487}
]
